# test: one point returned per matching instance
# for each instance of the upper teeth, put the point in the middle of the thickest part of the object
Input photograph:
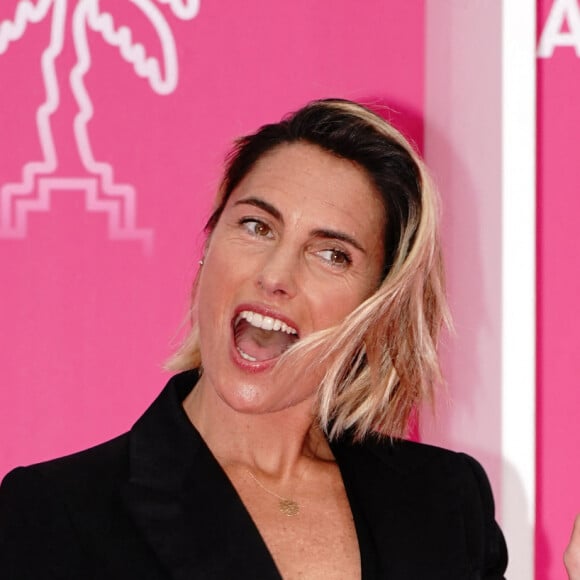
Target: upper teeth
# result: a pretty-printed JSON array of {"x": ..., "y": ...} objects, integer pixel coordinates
[{"x": 265, "y": 322}]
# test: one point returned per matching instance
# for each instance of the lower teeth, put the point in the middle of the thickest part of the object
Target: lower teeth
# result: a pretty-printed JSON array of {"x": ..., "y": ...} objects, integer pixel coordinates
[{"x": 246, "y": 356}]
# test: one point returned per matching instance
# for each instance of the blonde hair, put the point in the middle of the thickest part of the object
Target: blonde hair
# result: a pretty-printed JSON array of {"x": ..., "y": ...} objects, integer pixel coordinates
[{"x": 381, "y": 361}]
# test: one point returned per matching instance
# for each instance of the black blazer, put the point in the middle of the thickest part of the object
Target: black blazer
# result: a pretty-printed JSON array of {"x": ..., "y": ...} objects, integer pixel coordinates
[{"x": 154, "y": 503}]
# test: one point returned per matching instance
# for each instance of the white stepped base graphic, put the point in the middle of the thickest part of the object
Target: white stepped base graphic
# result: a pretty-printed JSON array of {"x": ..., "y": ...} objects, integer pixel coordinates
[{"x": 18, "y": 200}]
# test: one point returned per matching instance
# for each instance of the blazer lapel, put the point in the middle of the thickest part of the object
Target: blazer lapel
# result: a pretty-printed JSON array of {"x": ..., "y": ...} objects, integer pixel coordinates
[{"x": 182, "y": 501}]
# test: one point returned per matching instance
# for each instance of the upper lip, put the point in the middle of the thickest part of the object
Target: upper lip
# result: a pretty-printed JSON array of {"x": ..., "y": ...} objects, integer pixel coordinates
[{"x": 265, "y": 311}]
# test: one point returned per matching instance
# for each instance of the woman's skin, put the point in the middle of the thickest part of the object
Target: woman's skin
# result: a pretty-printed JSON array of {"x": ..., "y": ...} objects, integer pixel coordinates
[
  {"x": 572, "y": 553},
  {"x": 300, "y": 240}
]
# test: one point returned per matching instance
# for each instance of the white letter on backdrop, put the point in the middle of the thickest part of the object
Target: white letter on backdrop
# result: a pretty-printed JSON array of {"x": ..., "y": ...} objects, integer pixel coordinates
[{"x": 553, "y": 35}]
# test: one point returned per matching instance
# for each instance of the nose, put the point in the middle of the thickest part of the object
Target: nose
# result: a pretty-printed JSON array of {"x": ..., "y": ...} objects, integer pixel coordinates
[{"x": 277, "y": 276}]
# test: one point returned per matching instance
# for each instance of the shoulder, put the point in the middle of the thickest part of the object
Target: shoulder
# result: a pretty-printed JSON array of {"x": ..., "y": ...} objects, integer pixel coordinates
[
  {"x": 439, "y": 500},
  {"x": 434, "y": 471},
  {"x": 412, "y": 458},
  {"x": 83, "y": 481},
  {"x": 48, "y": 511},
  {"x": 54, "y": 496},
  {"x": 98, "y": 465},
  {"x": 88, "y": 483}
]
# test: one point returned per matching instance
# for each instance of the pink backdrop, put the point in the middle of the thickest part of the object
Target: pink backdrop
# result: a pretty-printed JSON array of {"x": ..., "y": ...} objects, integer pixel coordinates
[
  {"x": 86, "y": 319},
  {"x": 558, "y": 424},
  {"x": 100, "y": 221}
]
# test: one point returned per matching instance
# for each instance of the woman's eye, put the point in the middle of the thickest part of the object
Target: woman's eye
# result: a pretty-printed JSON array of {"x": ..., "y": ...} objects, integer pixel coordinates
[
  {"x": 257, "y": 228},
  {"x": 335, "y": 257}
]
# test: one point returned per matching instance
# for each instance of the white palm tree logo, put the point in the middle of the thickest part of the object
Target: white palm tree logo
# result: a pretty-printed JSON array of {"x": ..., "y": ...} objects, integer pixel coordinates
[{"x": 40, "y": 178}]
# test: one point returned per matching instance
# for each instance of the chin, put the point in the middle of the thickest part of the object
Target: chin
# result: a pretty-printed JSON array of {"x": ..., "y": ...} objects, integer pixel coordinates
[
  {"x": 247, "y": 396},
  {"x": 252, "y": 399}
]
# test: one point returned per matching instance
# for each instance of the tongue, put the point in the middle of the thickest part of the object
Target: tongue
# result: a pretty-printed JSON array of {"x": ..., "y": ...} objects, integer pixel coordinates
[{"x": 261, "y": 344}]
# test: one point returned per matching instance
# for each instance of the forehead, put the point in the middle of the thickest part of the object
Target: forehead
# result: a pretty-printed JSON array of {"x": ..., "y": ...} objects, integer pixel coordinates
[{"x": 303, "y": 178}]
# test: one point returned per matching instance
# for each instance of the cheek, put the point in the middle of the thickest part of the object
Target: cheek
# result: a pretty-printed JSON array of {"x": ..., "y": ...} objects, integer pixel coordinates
[
  {"x": 204, "y": 303},
  {"x": 210, "y": 303},
  {"x": 333, "y": 305},
  {"x": 216, "y": 278}
]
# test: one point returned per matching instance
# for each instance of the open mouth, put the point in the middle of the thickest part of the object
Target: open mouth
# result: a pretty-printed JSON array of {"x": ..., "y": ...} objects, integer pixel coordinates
[{"x": 261, "y": 338}]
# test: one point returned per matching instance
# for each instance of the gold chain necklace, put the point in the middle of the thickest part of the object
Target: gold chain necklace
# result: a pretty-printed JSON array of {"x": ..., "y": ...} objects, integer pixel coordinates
[{"x": 287, "y": 506}]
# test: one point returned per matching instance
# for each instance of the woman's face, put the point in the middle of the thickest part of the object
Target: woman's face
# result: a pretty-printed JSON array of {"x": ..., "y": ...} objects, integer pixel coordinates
[{"x": 297, "y": 248}]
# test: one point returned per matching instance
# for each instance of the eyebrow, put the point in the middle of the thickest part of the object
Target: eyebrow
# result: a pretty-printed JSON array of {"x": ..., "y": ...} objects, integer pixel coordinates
[
  {"x": 333, "y": 235},
  {"x": 319, "y": 233},
  {"x": 260, "y": 203}
]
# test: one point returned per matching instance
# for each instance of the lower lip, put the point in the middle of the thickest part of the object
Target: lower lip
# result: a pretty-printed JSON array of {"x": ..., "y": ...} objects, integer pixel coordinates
[{"x": 247, "y": 365}]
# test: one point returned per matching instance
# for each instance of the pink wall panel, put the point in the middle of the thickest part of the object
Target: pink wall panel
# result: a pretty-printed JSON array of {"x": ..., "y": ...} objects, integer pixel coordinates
[
  {"x": 87, "y": 318},
  {"x": 463, "y": 151},
  {"x": 558, "y": 467}
]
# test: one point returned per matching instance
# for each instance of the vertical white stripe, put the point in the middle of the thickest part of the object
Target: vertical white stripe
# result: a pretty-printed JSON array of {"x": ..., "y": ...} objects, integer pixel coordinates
[{"x": 518, "y": 280}]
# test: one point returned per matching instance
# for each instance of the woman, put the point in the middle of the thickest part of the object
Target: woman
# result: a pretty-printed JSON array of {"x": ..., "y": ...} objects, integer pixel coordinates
[{"x": 276, "y": 451}]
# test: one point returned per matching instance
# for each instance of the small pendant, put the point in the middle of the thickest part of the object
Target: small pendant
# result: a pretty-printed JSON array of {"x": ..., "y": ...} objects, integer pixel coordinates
[{"x": 288, "y": 507}]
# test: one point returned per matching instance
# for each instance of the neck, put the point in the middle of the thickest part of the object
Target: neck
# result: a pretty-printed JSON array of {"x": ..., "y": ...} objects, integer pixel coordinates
[{"x": 276, "y": 443}]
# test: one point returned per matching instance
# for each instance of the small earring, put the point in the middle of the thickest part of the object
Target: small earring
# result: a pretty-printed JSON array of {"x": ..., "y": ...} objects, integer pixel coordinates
[{"x": 200, "y": 262}]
